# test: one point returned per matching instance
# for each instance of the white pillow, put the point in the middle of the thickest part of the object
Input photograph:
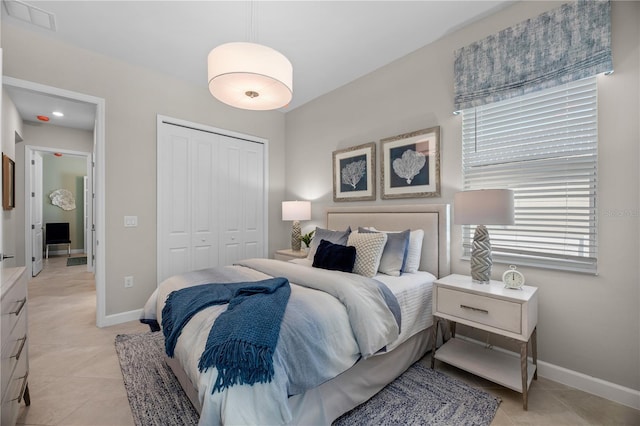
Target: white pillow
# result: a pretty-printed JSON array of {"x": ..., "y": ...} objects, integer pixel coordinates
[
  {"x": 412, "y": 263},
  {"x": 369, "y": 248}
]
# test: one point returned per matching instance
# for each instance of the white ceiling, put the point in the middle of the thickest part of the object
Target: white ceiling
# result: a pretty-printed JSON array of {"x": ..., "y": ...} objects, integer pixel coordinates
[{"x": 329, "y": 43}]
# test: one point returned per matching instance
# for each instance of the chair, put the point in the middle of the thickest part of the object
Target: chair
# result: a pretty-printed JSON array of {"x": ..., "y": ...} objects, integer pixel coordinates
[{"x": 57, "y": 233}]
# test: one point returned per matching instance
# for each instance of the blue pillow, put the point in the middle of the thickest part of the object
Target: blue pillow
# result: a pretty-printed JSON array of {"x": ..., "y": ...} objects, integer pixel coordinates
[
  {"x": 394, "y": 256},
  {"x": 335, "y": 257},
  {"x": 336, "y": 237}
]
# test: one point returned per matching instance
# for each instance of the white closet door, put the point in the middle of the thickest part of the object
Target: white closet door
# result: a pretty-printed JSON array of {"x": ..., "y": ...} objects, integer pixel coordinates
[
  {"x": 204, "y": 196},
  {"x": 210, "y": 200},
  {"x": 242, "y": 188},
  {"x": 36, "y": 213}
]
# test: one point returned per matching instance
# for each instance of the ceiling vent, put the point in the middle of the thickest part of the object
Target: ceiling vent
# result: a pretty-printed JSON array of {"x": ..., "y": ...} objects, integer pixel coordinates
[{"x": 31, "y": 14}]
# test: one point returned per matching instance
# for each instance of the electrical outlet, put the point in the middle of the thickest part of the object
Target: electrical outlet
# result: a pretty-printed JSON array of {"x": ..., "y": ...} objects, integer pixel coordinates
[{"x": 128, "y": 281}]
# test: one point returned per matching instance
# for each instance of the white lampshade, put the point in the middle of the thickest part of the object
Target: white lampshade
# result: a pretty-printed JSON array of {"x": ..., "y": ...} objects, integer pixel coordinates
[
  {"x": 483, "y": 207},
  {"x": 250, "y": 76},
  {"x": 296, "y": 210}
]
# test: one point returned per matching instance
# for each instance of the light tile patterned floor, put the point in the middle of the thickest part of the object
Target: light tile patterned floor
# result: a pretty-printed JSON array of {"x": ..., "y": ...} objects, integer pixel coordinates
[{"x": 75, "y": 377}]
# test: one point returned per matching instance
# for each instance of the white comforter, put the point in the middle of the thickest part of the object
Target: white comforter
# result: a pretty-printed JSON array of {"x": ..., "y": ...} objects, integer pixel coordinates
[{"x": 344, "y": 328}]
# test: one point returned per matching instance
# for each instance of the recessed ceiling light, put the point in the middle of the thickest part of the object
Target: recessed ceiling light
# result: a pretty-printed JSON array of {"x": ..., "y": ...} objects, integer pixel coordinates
[{"x": 57, "y": 114}]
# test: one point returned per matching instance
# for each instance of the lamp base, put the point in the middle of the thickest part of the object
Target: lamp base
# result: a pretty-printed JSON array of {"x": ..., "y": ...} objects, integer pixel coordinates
[
  {"x": 296, "y": 233},
  {"x": 481, "y": 261}
]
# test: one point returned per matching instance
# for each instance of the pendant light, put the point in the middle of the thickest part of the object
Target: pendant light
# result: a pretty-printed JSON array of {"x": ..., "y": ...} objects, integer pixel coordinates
[{"x": 250, "y": 76}]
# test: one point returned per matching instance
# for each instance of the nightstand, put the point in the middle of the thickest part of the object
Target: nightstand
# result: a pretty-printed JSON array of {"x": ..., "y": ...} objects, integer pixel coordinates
[
  {"x": 495, "y": 309},
  {"x": 289, "y": 254}
]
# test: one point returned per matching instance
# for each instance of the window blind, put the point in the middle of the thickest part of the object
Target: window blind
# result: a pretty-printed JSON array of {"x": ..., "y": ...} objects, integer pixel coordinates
[{"x": 543, "y": 146}]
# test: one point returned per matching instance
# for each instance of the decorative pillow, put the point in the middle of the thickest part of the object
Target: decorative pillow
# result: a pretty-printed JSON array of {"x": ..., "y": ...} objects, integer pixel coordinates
[
  {"x": 395, "y": 252},
  {"x": 335, "y": 257},
  {"x": 414, "y": 251},
  {"x": 369, "y": 247},
  {"x": 336, "y": 237}
]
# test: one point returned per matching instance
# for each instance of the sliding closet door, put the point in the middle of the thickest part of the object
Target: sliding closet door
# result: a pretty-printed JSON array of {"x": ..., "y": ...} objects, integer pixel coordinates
[{"x": 211, "y": 196}]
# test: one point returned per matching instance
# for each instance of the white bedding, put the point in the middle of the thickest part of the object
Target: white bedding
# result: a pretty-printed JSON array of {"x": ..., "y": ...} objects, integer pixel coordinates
[{"x": 413, "y": 292}]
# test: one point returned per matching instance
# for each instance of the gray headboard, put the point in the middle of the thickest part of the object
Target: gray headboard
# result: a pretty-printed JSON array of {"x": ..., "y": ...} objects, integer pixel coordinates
[{"x": 432, "y": 218}]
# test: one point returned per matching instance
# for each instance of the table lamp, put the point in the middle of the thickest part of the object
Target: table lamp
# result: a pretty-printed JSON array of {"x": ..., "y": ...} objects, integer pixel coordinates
[
  {"x": 482, "y": 207},
  {"x": 296, "y": 211}
]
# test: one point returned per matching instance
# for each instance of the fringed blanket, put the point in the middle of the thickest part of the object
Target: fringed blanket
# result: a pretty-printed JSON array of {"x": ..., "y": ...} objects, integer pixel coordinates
[{"x": 242, "y": 340}]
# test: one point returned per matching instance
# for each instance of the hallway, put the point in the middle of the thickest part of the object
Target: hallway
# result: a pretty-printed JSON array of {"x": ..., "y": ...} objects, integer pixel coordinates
[{"x": 74, "y": 376}]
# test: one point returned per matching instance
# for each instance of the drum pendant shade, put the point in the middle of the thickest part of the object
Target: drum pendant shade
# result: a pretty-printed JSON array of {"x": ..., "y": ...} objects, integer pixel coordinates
[{"x": 250, "y": 76}]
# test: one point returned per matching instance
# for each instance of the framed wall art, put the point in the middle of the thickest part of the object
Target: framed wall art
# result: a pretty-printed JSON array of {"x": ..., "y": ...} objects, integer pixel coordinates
[
  {"x": 354, "y": 173},
  {"x": 8, "y": 183},
  {"x": 411, "y": 164}
]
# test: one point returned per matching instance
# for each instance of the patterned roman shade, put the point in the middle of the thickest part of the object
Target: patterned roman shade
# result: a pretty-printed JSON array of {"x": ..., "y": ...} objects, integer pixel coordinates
[{"x": 557, "y": 47}]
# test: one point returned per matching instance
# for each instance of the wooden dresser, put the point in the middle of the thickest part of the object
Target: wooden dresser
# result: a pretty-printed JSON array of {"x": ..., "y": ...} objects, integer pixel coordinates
[{"x": 14, "y": 345}]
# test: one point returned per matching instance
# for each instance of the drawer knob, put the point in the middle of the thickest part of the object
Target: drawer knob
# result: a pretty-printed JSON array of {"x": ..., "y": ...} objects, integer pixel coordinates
[{"x": 483, "y": 311}]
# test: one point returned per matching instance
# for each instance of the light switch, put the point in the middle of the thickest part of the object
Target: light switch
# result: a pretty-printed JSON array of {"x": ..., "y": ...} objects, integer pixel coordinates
[{"x": 130, "y": 221}]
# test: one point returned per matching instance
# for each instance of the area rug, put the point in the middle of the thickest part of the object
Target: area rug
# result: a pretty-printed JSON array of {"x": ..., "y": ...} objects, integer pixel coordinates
[
  {"x": 74, "y": 261},
  {"x": 420, "y": 396}
]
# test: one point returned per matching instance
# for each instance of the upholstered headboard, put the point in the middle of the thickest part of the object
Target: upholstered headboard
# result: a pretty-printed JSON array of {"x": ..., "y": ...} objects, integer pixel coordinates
[{"x": 432, "y": 218}]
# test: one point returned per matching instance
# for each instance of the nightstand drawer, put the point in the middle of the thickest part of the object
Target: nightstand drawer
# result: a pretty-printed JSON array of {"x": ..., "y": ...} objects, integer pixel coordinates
[{"x": 492, "y": 312}]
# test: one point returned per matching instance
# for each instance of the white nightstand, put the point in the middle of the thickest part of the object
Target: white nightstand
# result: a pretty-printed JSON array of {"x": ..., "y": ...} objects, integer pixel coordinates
[
  {"x": 288, "y": 254},
  {"x": 492, "y": 308}
]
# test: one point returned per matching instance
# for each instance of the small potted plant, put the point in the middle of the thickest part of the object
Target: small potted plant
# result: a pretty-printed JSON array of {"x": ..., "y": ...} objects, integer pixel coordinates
[{"x": 306, "y": 239}]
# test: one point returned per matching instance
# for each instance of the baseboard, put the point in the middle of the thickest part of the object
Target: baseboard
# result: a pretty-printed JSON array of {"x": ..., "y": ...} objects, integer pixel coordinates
[
  {"x": 64, "y": 252},
  {"x": 593, "y": 385},
  {"x": 114, "y": 319},
  {"x": 611, "y": 391}
]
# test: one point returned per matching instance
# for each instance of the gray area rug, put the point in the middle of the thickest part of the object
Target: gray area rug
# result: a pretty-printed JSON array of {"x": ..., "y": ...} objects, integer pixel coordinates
[
  {"x": 420, "y": 396},
  {"x": 73, "y": 261}
]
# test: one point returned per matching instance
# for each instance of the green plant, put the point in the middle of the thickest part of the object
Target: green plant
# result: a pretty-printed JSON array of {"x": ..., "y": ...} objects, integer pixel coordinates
[{"x": 306, "y": 238}]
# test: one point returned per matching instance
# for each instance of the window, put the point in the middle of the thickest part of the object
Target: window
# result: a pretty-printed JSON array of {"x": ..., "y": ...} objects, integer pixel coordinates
[{"x": 543, "y": 146}]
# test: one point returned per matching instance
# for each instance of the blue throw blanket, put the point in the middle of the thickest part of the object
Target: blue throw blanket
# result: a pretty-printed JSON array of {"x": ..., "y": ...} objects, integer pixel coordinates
[{"x": 242, "y": 340}]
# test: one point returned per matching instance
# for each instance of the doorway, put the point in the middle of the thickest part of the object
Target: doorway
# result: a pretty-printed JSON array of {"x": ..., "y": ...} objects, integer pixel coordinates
[
  {"x": 48, "y": 169},
  {"x": 97, "y": 174}
]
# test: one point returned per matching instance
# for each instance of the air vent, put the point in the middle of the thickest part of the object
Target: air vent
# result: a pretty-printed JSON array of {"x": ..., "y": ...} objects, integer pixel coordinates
[{"x": 31, "y": 14}]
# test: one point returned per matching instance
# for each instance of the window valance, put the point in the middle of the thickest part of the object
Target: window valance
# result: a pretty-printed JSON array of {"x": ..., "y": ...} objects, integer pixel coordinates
[{"x": 563, "y": 45}]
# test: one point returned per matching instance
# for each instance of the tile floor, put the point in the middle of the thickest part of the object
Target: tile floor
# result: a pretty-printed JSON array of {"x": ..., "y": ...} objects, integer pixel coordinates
[{"x": 75, "y": 377}]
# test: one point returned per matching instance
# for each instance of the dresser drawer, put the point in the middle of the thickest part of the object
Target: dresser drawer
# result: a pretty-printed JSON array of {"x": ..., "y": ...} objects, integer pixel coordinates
[
  {"x": 14, "y": 350},
  {"x": 14, "y": 305},
  {"x": 13, "y": 396},
  {"x": 485, "y": 310}
]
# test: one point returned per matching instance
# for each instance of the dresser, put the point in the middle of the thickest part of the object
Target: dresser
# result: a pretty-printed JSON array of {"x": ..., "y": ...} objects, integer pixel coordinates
[
  {"x": 494, "y": 309},
  {"x": 14, "y": 343}
]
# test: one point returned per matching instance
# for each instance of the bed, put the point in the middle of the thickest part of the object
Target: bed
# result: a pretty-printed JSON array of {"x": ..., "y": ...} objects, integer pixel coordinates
[{"x": 348, "y": 379}]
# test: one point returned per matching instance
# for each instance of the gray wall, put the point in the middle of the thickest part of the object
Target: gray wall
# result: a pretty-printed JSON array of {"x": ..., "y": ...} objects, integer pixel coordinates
[
  {"x": 590, "y": 324},
  {"x": 66, "y": 172},
  {"x": 133, "y": 98}
]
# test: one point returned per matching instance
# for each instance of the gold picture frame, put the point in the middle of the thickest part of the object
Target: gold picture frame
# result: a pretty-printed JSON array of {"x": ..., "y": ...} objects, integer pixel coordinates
[
  {"x": 411, "y": 164},
  {"x": 354, "y": 173},
  {"x": 8, "y": 183}
]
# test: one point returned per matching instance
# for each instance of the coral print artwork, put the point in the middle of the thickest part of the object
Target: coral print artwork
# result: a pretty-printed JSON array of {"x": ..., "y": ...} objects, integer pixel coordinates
[
  {"x": 354, "y": 171},
  {"x": 411, "y": 165}
]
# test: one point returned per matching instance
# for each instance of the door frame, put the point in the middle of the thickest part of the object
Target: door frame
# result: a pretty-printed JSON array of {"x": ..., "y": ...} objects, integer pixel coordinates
[
  {"x": 162, "y": 119},
  {"x": 99, "y": 184},
  {"x": 28, "y": 151}
]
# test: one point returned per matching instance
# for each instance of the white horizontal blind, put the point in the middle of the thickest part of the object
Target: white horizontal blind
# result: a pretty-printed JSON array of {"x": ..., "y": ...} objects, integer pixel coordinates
[{"x": 543, "y": 146}]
